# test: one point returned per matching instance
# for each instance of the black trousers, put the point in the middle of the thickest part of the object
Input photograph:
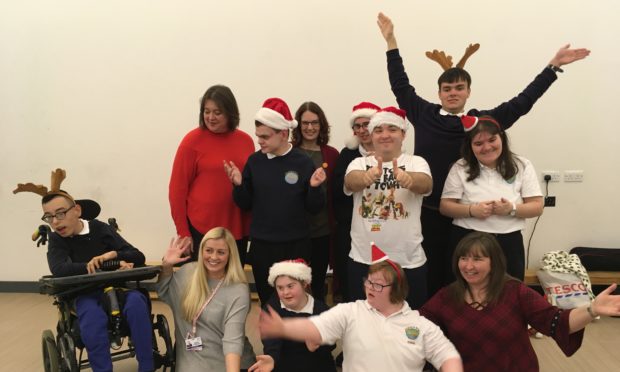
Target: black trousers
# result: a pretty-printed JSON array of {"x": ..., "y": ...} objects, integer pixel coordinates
[
  {"x": 342, "y": 247},
  {"x": 319, "y": 260},
  {"x": 263, "y": 254},
  {"x": 436, "y": 232},
  {"x": 512, "y": 246}
]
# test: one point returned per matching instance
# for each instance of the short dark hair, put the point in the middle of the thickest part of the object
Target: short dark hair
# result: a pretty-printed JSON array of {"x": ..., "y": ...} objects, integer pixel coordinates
[
  {"x": 323, "y": 138},
  {"x": 454, "y": 74},
  {"x": 400, "y": 288},
  {"x": 225, "y": 101},
  {"x": 60, "y": 194},
  {"x": 258, "y": 124},
  {"x": 506, "y": 163},
  {"x": 485, "y": 245}
]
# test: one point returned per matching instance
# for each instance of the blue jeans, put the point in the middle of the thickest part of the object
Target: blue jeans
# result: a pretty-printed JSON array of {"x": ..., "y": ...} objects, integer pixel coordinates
[{"x": 94, "y": 329}]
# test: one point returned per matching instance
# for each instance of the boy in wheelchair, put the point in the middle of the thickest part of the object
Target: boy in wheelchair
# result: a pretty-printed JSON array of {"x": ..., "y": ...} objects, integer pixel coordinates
[{"x": 80, "y": 247}]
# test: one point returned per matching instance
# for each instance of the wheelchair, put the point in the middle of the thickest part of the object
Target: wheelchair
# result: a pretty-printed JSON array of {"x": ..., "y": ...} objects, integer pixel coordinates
[{"x": 59, "y": 352}]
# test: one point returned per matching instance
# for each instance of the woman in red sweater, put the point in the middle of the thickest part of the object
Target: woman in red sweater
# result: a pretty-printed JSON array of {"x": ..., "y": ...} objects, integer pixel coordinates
[
  {"x": 200, "y": 192},
  {"x": 311, "y": 137}
]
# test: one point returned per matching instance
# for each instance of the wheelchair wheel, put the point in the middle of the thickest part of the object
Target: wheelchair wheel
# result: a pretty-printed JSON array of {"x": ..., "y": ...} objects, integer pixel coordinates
[
  {"x": 67, "y": 353},
  {"x": 163, "y": 330},
  {"x": 50, "y": 352}
]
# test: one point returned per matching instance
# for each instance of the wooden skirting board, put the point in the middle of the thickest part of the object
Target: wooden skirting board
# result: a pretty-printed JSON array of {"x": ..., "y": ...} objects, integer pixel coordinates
[{"x": 596, "y": 277}]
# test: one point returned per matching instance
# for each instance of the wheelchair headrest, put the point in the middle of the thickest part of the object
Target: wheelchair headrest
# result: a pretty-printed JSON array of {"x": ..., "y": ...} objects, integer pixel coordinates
[{"x": 90, "y": 208}]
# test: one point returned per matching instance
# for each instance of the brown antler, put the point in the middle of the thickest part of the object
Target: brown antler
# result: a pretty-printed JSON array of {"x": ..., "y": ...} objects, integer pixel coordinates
[
  {"x": 440, "y": 57},
  {"x": 471, "y": 49},
  {"x": 31, "y": 187},
  {"x": 57, "y": 177}
]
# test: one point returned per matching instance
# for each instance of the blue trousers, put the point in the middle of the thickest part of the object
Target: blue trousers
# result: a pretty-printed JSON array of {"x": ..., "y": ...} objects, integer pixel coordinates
[{"x": 94, "y": 329}]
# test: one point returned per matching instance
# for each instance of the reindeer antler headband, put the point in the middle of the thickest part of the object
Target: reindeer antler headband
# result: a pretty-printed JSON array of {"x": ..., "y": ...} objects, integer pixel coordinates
[
  {"x": 445, "y": 61},
  {"x": 58, "y": 176}
]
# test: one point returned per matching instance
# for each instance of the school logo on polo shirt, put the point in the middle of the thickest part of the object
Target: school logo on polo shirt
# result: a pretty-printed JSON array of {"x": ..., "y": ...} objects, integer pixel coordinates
[
  {"x": 412, "y": 334},
  {"x": 291, "y": 177}
]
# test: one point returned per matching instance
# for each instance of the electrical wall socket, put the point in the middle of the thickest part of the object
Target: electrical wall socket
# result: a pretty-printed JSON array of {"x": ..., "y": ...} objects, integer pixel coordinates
[
  {"x": 555, "y": 175},
  {"x": 573, "y": 176}
]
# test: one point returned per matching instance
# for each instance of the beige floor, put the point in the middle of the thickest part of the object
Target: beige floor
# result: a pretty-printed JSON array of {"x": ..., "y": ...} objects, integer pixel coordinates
[{"x": 25, "y": 316}]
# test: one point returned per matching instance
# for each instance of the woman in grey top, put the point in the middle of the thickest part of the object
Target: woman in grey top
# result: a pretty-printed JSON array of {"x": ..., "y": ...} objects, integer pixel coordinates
[{"x": 210, "y": 301}]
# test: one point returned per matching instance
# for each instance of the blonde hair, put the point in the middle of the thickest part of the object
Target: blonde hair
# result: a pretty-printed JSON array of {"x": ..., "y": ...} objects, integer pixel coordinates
[{"x": 198, "y": 290}]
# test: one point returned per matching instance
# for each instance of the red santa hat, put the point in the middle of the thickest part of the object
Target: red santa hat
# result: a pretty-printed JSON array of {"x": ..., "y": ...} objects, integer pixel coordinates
[
  {"x": 379, "y": 256},
  {"x": 276, "y": 114},
  {"x": 296, "y": 269},
  {"x": 470, "y": 122},
  {"x": 389, "y": 115},
  {"x": 363, "y": 110}
]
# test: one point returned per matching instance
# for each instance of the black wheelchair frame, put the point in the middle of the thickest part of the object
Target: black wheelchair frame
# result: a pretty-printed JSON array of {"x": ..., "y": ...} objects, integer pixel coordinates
[{"x": 59, "y": 352}]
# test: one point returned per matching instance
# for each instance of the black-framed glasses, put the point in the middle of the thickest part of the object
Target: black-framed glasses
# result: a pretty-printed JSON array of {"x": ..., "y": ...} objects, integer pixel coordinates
[
  {"x": 314, "y": 123},
  {"x": 360, "y": 126},
  {"x": 60, "y": 215},
  {"x": 375, "y": 286}
]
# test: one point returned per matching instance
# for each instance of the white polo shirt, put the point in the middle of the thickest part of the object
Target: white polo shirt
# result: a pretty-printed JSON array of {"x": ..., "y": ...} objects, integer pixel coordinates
[
  {"x": 372, "y": 342},
  {"x": 490, "y": 185},
  {"x": 388, "y": 214}
]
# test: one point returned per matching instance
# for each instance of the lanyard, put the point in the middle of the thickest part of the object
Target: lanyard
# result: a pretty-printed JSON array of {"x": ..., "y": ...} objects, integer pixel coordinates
[{"x": 204, "y": 306}]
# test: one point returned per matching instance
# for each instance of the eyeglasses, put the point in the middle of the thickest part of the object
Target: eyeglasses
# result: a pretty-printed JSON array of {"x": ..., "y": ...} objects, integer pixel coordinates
[
  {"x": 375, "y": 286},
  {"x": 60, "y": 215},
  {"x": 359, "y": 126},
  {"x": 313, "y": 123}
]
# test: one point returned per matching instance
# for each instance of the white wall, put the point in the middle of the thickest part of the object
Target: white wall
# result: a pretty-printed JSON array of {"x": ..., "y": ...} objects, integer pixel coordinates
[{"x": 106, "y": 90}]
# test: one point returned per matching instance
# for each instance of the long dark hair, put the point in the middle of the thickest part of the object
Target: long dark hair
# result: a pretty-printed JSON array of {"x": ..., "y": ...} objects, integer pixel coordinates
[
  {"x": 480, "y": 244},
  {"x": 323, "y": 137},
  {"x": 506, "y": 163},
  {"x": 225, "y": 101}
]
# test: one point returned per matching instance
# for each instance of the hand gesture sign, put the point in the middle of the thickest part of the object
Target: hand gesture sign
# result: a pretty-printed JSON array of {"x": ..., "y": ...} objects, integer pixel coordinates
[
  {"x": 374, "y": 173},
  {"x": 264, "y": 363},
  {"x": 270, "y": 324},
  {"x": 482, "y": 210},
  {"x": 606, "y": 303},
  {"x": 502, "y": 207},
  {"x": 233, "y": 173},
  {"x": 176, "y": 252},
  {"x": 404, "y": 179},
  {"x": 386, "y": 26},
  {"x": 318, "y": 177},
  {"x": 565, "y": 55}
]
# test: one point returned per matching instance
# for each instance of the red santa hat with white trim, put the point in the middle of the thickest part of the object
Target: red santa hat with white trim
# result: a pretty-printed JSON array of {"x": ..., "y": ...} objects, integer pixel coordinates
[
  {"x": 470, "y": 122},
  {"x": 296, "y": 269},
  {"x": 275, "y": 114},
  {"x": 361, "y": 110},
  {"x": 377, "y": 255},
  {"x": 389, "y": 115}
]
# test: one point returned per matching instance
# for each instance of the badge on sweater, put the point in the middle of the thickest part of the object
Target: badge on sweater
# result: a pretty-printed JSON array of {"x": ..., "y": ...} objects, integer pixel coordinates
[{"x": 291, "y": 177}]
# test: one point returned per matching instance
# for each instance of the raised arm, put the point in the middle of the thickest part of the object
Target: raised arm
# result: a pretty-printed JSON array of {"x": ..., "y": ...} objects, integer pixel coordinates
[
  {"x": 175, "y": 254},
  {"x": 387, "y": 30},
  {"x": 271, "y": 325},
  {"x": 604, "y": 304},
  {"x": 565, "y": 56}
]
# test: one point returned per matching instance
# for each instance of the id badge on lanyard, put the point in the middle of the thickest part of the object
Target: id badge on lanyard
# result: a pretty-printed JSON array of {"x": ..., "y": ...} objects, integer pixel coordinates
[{"x": 193, "y": 342}]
